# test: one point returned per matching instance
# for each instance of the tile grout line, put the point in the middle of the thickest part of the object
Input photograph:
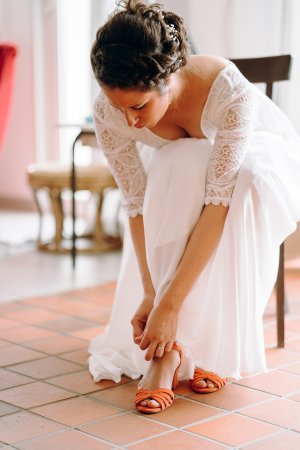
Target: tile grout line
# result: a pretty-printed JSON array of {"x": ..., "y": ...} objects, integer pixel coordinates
[
  {"x": 287, "y": 428},
  {"x": 62, "y": 431},
  {"x": 264, "y": 438},
  {"x": 9, "y": 369},
  {"x": 248, "y": 442},
  {"x": 226, "y": 447},
  {"x": 238, "y": 409}
]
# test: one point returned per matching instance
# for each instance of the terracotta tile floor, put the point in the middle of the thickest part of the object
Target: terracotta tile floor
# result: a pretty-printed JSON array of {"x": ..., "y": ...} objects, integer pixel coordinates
[{"x": 49, "y": 401}]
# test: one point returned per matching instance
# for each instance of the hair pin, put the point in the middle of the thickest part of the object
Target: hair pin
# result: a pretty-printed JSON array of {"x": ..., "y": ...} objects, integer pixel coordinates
[{"x": 172, "y": 31}]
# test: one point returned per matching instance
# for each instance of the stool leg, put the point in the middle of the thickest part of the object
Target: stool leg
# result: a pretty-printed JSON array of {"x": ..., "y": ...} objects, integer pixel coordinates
[
  {"x": 38, "y": 205},
  {"x": 99, "y": 233},
  {"x": 56, "y": 202}
]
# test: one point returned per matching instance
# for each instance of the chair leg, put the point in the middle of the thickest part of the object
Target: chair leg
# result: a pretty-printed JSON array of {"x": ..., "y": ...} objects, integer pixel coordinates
[
  {"x": 280, "y": 300},
  {"x": 55, "y": 197}
]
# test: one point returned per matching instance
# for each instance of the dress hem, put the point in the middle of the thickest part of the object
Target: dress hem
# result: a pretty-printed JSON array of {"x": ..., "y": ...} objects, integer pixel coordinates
[{"x": 115, "y": 373}]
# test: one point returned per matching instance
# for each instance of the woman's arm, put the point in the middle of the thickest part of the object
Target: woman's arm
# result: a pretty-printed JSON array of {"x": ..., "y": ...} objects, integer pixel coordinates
[
  {"x": 201, "y": 245},
  {"x": 162, "y": 323},
  {"x": 140, "y": 317},
  {"x": 138, "y": 237},
  {"x": 127, "y": 168}
]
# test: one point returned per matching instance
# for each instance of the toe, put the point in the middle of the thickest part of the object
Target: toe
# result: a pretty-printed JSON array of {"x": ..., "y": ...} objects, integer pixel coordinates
[
  {"x": 153, "y": 403},
  {"x": 205, "y": 383},
  {"x": 200, "y": 384},
  {"x": 149, "y": 403}
]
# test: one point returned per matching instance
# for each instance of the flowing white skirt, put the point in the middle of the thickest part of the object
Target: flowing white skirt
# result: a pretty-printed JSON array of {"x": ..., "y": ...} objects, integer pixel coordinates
[{"x": 220, "y": 323}]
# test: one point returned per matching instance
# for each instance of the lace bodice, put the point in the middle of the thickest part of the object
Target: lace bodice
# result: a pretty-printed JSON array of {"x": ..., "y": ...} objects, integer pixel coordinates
[{"x": 226, "y": 121}]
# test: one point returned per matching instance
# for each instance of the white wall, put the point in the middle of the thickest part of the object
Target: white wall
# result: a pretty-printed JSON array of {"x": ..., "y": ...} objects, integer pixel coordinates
[
  {"x": 29, "y": 25},
  {"x": 235, "y": 28},
  {"x": 291, "y": 44},
  {"x": 100, "y": 12}
]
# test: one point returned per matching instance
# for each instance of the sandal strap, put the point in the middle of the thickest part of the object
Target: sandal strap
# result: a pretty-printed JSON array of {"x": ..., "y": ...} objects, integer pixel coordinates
[
  {"x": 179, "y": 350},
  {"x": 164, "y": 397},
  {"x": 201, "y": 374}
]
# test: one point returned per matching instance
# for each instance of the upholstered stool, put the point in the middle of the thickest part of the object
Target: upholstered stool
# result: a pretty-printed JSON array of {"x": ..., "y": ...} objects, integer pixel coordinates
[{"x": 55, "y": 177}]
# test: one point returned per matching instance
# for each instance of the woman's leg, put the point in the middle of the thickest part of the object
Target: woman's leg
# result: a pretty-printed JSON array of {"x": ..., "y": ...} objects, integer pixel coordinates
[{"x": 173, "y": 202}]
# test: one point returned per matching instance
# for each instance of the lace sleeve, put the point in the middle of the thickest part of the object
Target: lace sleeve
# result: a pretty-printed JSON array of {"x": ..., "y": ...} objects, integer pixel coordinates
[
  {"x": 122, "y": 156},
  {"x": 231, "y": 117}
]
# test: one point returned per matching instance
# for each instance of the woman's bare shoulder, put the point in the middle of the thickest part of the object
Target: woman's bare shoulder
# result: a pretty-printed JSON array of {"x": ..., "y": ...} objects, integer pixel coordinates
[{"x": 206, "y": 67}]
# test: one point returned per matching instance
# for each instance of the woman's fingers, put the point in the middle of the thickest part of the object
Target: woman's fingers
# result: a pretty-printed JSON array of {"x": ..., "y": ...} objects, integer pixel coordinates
[
  {"x": 169, "y": 346},
  {"x": 138, "y": 339},
  {"x": 144, "y": 343},
  {"x": 154, "y": 349},
  {"x": 160, "y": 350},
  {"x": 138, "y": 328},
  {"x": 151, "y": 351}
]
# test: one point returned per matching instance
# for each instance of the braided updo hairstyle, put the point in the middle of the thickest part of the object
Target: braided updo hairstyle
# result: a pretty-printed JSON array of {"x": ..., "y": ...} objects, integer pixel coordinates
[{"x": 139, "y": 46}]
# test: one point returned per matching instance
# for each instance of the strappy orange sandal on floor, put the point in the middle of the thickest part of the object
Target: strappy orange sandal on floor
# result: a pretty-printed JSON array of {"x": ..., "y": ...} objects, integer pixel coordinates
[
  {"x": 201, "y": 374},
  {"x": 163, "y": 396}
]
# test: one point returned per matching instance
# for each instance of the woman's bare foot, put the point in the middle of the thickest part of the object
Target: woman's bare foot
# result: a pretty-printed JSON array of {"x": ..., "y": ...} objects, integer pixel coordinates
[
  {"x": 204, "y": 383},
  {"x": 159, "y": 375}
]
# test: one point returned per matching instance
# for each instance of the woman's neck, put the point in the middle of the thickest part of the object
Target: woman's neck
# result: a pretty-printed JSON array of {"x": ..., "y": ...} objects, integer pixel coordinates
[{"x": 178, "y": 87}]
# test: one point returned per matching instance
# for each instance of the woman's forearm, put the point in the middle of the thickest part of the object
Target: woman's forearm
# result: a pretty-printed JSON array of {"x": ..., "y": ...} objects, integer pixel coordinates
[
  {"x": 201, "y": 245},
  {"x": 138, "y": 238}
]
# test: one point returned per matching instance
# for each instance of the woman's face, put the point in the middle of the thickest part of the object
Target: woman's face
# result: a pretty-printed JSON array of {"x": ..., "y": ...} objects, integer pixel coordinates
[{"x": 141, "y": 109}]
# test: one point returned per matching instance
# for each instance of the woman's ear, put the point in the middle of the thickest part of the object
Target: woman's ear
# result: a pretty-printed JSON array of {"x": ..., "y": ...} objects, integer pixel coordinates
[{"x": 165, "y": 86}]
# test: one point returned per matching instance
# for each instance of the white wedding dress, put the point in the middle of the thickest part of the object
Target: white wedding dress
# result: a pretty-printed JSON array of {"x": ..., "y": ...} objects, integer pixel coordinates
[{"x": 251, "y": 161}]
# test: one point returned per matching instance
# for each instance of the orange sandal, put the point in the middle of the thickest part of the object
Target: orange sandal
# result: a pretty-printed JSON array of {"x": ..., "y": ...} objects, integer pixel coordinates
[
  {"x": 201, "y": 374},
  {"x": 163, "y": 396}
]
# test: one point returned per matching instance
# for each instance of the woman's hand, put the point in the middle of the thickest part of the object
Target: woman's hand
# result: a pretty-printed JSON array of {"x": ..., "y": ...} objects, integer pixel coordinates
[
  {"x": 140, "y": 317},
  {"x": 160, "y": 331}
]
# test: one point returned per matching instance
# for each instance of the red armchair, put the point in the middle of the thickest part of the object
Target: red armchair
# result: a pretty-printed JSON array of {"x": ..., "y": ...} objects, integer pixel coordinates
[{"x": 7, "y": 60}]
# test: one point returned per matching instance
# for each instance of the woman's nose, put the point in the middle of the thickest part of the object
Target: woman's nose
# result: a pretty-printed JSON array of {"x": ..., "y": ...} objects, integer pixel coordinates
[{"x": 131, "y": 118}]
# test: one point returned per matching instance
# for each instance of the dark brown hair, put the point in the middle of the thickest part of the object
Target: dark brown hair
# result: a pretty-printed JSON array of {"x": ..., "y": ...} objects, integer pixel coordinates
[{"x": 139, "y": 46}]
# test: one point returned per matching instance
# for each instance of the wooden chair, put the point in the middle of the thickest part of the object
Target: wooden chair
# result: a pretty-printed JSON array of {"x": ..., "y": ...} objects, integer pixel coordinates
[{"x": 268, "y": 70}]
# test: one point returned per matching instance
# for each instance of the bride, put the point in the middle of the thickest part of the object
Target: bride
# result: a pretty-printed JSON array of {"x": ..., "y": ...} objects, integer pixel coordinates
[{"x": 210, "y": 196}]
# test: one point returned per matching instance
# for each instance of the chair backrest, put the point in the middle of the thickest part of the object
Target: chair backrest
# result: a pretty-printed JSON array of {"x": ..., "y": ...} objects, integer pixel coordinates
[{"x": 268, "y": 69}]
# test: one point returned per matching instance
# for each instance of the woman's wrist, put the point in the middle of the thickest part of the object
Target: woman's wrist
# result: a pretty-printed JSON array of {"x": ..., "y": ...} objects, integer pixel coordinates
[
  {"x": 170, "y": 302},
  {"x": 149, "y": 295},
  {"x": 149, "y": 290}
]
